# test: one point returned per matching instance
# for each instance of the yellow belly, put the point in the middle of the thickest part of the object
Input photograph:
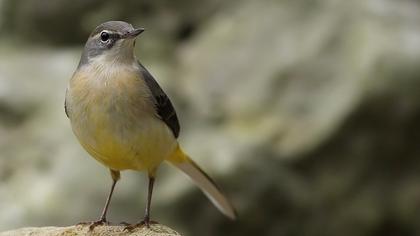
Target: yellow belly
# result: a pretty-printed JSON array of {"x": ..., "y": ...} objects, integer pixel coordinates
[
  {"x": 113, "y": 116},
  {"x": 139, "y": 147}
]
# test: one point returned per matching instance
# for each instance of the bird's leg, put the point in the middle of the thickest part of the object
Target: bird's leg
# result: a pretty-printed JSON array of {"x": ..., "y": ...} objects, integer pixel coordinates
[
  {"x": 146, "y": 220},
  {"x": 102, "y": 220}
]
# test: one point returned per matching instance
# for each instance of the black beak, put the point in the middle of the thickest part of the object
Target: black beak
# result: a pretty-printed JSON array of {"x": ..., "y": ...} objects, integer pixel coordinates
[{"x": 134, "y": 33}]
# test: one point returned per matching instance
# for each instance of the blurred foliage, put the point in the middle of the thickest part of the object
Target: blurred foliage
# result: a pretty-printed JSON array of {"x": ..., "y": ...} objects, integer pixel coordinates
[{"x": 306, "y": 112}]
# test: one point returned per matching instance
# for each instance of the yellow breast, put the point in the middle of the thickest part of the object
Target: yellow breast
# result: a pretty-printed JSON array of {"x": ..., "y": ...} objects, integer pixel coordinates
[{"x": 113, "y": 116}]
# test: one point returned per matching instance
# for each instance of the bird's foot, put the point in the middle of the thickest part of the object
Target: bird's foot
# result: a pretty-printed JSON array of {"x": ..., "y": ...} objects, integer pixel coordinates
[
  {"x": 93, "y": 224},
  {"x": 144, "y": 223},
  {"x": 125, "y": 223}
]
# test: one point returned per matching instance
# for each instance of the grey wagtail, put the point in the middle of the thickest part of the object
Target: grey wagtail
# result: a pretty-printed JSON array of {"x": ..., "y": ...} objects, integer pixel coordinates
[{"x": 122, "y": 117}]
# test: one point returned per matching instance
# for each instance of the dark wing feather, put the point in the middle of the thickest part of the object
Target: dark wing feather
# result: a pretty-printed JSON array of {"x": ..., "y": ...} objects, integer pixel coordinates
[
  {"x": 164, "y": 107},
  {"x": 65, "y": 109},
  {"x": 65, "y": 106}
]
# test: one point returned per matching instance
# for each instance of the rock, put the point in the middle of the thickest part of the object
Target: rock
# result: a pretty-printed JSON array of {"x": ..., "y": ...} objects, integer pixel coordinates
[
  {"x": 285, "y": 75},
  {"x": 312, "y": 115},
  {"x": 154, "y": 230}
]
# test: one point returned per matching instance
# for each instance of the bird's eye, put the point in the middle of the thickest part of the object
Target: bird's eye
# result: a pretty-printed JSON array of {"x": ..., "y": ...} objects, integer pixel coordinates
[{"x": 104, "y": 36}]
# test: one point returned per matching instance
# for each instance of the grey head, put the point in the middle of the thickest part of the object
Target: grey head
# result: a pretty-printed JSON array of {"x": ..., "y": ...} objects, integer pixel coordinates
[{"x": 112, "y": 40}]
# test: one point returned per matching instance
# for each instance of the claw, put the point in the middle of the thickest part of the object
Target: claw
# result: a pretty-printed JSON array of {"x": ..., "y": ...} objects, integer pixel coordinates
[
  {"x": 93, "y": 224},
  {"x": 83, "y": 223},
  {"x": 124, "y": 223},
  {"x": 145, "y": 222}
]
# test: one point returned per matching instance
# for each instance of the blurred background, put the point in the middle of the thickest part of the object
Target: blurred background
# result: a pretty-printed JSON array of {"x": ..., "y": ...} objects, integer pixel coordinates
[{"x": 306, "y": 112}]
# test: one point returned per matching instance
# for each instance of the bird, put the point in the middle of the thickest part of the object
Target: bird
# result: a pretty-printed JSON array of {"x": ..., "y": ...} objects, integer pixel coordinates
[{"x": 123, "y": 119}]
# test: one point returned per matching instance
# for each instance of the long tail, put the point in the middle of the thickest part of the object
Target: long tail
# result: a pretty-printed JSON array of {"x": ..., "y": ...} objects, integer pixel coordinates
[{"x": 204, "y": 182}]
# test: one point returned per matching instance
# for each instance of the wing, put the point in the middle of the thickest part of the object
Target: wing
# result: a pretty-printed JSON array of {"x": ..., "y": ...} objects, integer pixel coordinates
[
  {"x": 65, "y": 109},
  {"x": 164, "y": 107},
  {"x": 65, "y": 106}
]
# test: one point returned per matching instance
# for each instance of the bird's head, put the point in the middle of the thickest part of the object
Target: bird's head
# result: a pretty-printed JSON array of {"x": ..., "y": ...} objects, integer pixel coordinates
[{"x": 112, "y": 41}]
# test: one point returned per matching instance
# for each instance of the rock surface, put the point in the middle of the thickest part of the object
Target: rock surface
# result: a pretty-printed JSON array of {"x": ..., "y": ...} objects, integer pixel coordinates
[{"x": 154, "y": 230}]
